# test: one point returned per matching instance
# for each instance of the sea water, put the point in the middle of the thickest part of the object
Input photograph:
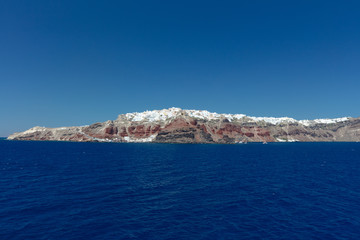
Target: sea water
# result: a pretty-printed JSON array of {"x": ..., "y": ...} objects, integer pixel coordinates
[{"x": 63, "y": 190}]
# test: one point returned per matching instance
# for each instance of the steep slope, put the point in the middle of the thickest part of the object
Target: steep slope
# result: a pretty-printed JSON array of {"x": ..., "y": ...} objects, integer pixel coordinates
[{"x": 175, "y": 125}]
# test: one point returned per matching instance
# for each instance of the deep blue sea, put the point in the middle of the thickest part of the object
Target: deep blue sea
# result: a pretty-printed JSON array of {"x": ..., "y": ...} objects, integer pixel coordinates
[{"x": 63, "y": 190}]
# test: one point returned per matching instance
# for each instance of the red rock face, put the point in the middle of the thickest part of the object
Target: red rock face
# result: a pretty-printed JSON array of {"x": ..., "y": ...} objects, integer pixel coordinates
[
  {"x": 139, "y": 131},
  {"x": 111, "y": 130},
  {"x": 230, "y": 132},
  {"x": 193, "y": 122},
  {"x": 249, "y": 134},
  {"x": 177, "y": 123},
  {"x": 131, "y": 130},
  {"x": 148, "y": 131},
  {"x": 203, "y": 127},
  {"x": 79, "y": 137},
  {"x": 182, "y": 131},
  {"x": 116, "y": 132},
  {"x": 155, "y": 129},
  {"x": 232, "y": 128}
]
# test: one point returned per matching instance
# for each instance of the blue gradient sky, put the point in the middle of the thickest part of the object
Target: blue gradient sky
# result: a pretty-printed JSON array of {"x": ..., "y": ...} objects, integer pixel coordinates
[{"x": 66, "y": 63}]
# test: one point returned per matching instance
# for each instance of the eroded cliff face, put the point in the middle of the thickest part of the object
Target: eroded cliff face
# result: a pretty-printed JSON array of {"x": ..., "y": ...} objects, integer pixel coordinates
[{"x": 190, "y": 126}]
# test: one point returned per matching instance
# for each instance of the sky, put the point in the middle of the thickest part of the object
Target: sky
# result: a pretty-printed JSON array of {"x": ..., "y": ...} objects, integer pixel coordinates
[{"x": 72, "y": 63}]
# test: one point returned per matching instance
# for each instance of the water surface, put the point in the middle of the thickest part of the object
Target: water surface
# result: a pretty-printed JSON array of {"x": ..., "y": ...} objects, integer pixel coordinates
[{"x": 60, "y": 190}]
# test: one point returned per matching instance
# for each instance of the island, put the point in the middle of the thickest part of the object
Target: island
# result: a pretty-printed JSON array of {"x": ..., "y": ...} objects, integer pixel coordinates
[{"x": 176, "y": 125}]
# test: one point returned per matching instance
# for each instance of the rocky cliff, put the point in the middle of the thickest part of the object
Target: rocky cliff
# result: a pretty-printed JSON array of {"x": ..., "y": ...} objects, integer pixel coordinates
[{"x": 175, "y": 125}]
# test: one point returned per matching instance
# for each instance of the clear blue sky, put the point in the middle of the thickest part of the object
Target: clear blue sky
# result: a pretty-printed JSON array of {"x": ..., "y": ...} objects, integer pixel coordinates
[{"x": 66, "y": 63}]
